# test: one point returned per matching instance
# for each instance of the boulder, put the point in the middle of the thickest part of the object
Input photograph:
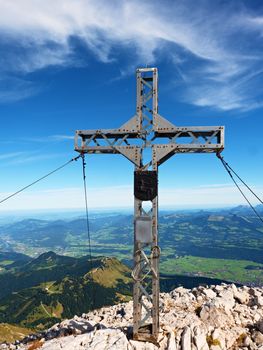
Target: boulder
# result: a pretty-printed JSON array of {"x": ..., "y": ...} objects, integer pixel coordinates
[
  {"x": 225, "y": 300},
  {"x": 257, "y": 337},
  {"x": 171, "y": 345},
  {"x": 138, "y": 345},
  {"x": 258, "y": 300},
  {"x": 200, "y": 339},
  {"x": 241, "y": 297},
  {"x": 209, "y": 293},
  {"x": 215, "y": 316},
  {"x": 218, "y": 338},
  {"x": 109, "y": 339},
  {"x": 186, "y": 339}
]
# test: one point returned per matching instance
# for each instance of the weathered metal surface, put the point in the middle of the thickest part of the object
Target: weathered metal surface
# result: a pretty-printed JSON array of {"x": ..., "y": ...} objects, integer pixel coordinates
[
  {"x": 143, "y": 229},
  {"x": 145, "y": 185},
  {"x": 148, "y": 130}
]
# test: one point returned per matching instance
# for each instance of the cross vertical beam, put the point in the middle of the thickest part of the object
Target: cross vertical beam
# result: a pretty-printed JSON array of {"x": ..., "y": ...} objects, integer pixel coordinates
[
  {"x": 137, "y": 140},
  {"x": 146, "y": 250}
]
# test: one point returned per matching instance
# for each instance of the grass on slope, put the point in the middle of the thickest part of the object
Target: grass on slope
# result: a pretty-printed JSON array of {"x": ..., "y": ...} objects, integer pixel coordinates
[
  {"x": 111, "y": 272},
  {"x": 10, "y": 333}
]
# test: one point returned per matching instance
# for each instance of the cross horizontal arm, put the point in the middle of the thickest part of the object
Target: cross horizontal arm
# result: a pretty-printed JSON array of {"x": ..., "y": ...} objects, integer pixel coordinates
[{"x": 203, "y": 139}]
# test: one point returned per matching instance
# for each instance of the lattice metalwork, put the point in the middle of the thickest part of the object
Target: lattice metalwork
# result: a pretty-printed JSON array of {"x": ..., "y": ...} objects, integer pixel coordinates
[{"x": 148, "y": 130}]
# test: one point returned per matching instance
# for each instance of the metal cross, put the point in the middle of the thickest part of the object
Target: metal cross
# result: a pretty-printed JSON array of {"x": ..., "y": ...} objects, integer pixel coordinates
[{"x": 148, "y": 130}]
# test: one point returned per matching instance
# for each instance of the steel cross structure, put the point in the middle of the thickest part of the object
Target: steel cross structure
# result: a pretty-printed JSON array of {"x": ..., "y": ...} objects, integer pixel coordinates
[{"x": 145, "y": 131}]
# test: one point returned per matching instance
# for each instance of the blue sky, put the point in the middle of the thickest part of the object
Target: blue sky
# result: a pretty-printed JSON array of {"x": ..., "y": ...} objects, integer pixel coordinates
[{"x": 67, "y": 65}]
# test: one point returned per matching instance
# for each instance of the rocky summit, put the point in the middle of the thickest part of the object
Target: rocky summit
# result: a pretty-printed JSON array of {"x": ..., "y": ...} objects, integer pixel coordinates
[{"x": 216, "y": 318}]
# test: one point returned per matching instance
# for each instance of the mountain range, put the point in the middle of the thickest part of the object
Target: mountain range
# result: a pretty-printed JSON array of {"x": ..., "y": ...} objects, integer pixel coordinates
[
  {"x": 52, "y": 287},
  {"x": 223, "y": 244}
]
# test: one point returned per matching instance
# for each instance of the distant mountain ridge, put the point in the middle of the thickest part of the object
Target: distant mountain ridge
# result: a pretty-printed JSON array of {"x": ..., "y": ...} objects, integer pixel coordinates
[{"x": 224, "y": 244}]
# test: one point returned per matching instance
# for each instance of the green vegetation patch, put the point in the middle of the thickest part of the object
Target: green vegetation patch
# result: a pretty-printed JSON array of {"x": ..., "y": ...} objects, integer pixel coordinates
[
  {"x": 6, "y": 262},
  {"x": 231, "y": 270}
]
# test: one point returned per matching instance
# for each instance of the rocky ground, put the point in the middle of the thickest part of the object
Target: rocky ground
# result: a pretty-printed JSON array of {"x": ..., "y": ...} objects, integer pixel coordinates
[{"x": 219, "y": 317}]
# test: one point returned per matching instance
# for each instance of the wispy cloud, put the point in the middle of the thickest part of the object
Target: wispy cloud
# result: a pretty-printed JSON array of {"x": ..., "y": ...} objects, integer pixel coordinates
[
  {"x": 33, "y": 158},
  {"x": 13, "y": 89},
  {"x": 18, "y": 158},
  {"x": 62, "y": 137},
  {"x": 212, "y": 46},
  {"x": 10, "y": 156},
  {"x": 48, "y": 139}
]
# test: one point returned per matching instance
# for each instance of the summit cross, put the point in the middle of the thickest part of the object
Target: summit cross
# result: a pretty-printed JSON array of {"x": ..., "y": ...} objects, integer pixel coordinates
[{"x": 145, "y": 131}]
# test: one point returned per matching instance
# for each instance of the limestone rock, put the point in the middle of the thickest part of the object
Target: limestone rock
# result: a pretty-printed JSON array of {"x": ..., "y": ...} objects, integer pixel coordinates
[
  {"x": 217, "y": 318},
  {"x": 209, "y": 293},
  {"x": 241, "y": 296},
  {"x": 138, "y": 345},
  {"x": 225, "y": 300},
  {"x": 258, "y": 301},
  {"x": 260, "y": 326},
  {"x": 219, "y": 338},
  {"x": 109, "y": 339},
  {"x": 257, "y": 337},
  {"x": 200, "y": 339},
  {"x": 186, "y": 339},
  {"x": 171, "y": 342}
]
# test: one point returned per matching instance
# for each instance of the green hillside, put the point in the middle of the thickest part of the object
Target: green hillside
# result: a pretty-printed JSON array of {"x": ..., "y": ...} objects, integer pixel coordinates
[
  {"x": 9, "y": 260},
  {"x": 53, "y": 287},
  {"x": 47, "y": 267}
]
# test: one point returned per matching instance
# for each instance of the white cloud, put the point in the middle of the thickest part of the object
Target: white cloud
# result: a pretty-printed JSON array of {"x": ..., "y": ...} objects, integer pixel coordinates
[
  {"x": 207, "y": 41},
  {"x": 100, "y": 24},
  {"x": 122, "y": 197}
]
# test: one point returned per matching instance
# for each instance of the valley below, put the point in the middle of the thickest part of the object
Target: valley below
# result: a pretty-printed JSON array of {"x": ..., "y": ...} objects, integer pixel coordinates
[
  {"x": 224, "y": 244},
  {"x": 48, "y": 276}
]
